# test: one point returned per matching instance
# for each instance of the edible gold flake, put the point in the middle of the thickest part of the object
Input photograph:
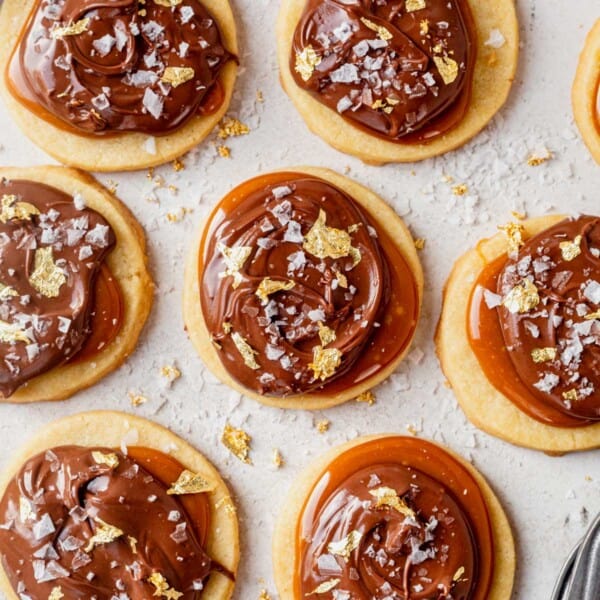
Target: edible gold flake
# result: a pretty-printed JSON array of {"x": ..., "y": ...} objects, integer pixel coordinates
[
  {"x": 571, "y": 395},
  {"x": 424, "y": 27},
  {"x": 592, "y": 316},
  {"x": 178, "y": 165},
  {"x": 137, "y": 399},
  {"x": 227, "y": 327},
  {"x": 459, "y": 573},
  {"x": 25, "y": 510},
  {"x": 522, "y": 298},
  {"x": 245, "y": 349},
  {"x": 386, "y": 496},
  {"x": 460, "y": 190},
  {"x": 10, "y": 209},
  {"x": 323, "y": 426},
  {"x": 381, "y": 31},
  {"x": 163, "y": 589},
  {"x": 341, "y": 279},
  {"x": 540, "y": 355},
  {"x": 170, "y": 372},
  {"x": 325, "y": 362},
  {"x": 328, "y": 242},
  {"x": 76, "y": 28},
  {"x": 306, "y": 61},
  {"x": 237, "y": 441},
  {"x": 325, "y": 587},
  {"x": 269, "y": 286},
  {"x": 6, "y": 291},
  {"x": 105, "y": 534},
  {"x": 346, "y": 546},
  {"x": 177, "y": 76},
  {"x": 420, "y": 243},
  {"x": 514, "y": 236},
  {"x": 56, "y": 593},
  {"x": 110, "y": 460},
  {"x": 326, "y": 334},
  {"x": 367, "y": 397},
  {"x": 447, "y": 67},
  {"x": 412, "y": 5},
  {"x": 234, "y": 259},
  {"x": 536, "y": 161},
  {"x": 571, "y": 250},
  {"x": 190, "y": 483},
  {"x": 132, "y": 544},
  {"x": 168, "y": 3},
  {"x": 264, "y": 595},
  {"x": 46, "y": 278},
  {"x": 278, "y": 460},
  {"x": 11, "y": 333},
  {"x": 230, "y": 127},
  {"x": 224, "y": 151}
]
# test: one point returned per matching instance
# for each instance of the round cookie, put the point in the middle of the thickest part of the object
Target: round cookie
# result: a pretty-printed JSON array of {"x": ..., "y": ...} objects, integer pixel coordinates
[
  {"x": 586, "y": 92},
  {"x": 485, "y": 406},
  {"x": 120, "y": 152},
  {"x": 492, "y": 80},
  {"x": 286, "y": 528},
  {"x": 110, "y": 429},
  {"x": 383, "y": 217},
  {"x": 128, "y": 265}
]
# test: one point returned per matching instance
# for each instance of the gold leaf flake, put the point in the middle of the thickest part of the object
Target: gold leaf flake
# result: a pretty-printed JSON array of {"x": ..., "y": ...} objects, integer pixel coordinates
[
  {"x": 56, "y": 593},
  {"x": 323, "y": 426},
  {"x": 190, "y": 483},
  {"x": 137, "y": 399},
  {"x": 367, "y": 397},
  {"x": 237, "y": 441},
  {"x": 168, "y": 3},
  {"x": 341, "y": 279},
  {"x": 540, "y": 355},
  {"x": 170, "y": 372},
  {"x": 325, "y": 362},
  {"x": 245, "y": 349},
  {"x": 381, "y": 31},
  {"x": 234, "y": 259},
  {"x": 10, "y": 209},
  {"x": 227, "y": 327},
  {"x": 386, "y": 496},
  {"x": 447, "y": 67},
  {"x": 277, "y": 458},
  {"x": 514, "y": 236},
  {"x": 571, "y": 250},
  {"x": 11, "y": 333},
  {"x": 412, "y": 5},
  {"x": 346, "y": 546},
  {"x": 424, "y": 27},
  {"x": 177, "y": 76},
  {"x": 592, "y": 316},
  {"x": 325, "y": 587},
  {"x": 132, "y": 544},
  {"x": 230, "y": 127},
  {"x": 76, "y": 28},
  {"x": 46, "y": 278},
  {"x": 6, "y": 291},
  {"x": 306, "y": 61},
  {"x": 163, "y": 589},
  {"x": 224, "y": 151},
  {"x": 571, "y": 395},
  {"x": 105, "y": 534},
  {"x": 536, "y": 161},
  {"x": 459, "y": 573},
  {"x": 326, "y": 334},
  {"x": 26, "y": 511},
  {"x": 110, "y": 460},
  {"x": 264, "y": 595},
  {"x": 460, "y": 190},
  {"x": 522, "y": 298},
  {"x": 420, "y": 243},
  {"x": 269, "y": 286},
  {"x": 328, "y": 242}
]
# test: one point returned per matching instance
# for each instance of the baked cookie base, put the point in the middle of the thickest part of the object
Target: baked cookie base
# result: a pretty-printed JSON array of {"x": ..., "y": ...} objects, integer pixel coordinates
[
  {"x": 492, "y": 79},
  {"x": 284, "y": 538},
  {"x": 108, "y": 428},
  {"x": 384, "y": 218},
  {"x": 585, "y": 92},
  {"x": 484, "y": 405},
  {"x": 120, "y": 152},
  {"x": 128, "y": 265}
]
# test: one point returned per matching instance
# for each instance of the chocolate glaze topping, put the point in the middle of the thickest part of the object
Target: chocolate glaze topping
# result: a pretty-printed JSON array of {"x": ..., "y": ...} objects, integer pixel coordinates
[
  {"x": 51, "y": 251},
  {"x": 399, "y": 69},
  {"x": 326, "y": 302},
  {"x": 57, "y": 515},
  {"x": 103, "y": 66}
]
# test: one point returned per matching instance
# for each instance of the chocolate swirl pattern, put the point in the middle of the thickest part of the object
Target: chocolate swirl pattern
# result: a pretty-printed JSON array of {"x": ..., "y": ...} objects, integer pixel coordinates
[
  {"x": 119, "y": 65},
  {"x": 400, "y": 69},
  {"x": 549, "y": 312},
  {"x": 52, "y": 249},
  {"x": 94, "y": 523}
]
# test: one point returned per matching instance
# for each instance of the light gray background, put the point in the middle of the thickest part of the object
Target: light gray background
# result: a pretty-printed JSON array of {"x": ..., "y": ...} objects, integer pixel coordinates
[{"x": 547, "y": 499}]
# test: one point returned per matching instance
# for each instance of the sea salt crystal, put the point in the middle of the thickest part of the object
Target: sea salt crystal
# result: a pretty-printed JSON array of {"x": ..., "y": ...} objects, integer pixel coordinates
[
  {"x": 152, "y": 30},
  {"x": 104, "y": 44},
  {"x": 343, "y": 32},
  {"x": 316, "y": 315},
  {"x": 43, "y": 527},
  {"x": 361, "y": 49},
  {"x": 174, "y": 516},
  {"x": 186, "y": 12},
  {"x": 85, "y": 252},
  {"x": 78, "y": 201},
  {"x": 347, "y": 73},
  {"x": 547, "y": 383},
  {"x": 592, "y": 292},
  {"x": 293, "y": 233},
  {"x": 496, "y": 39},
  {"x": 491, "y": 300},
  {"x": 153, "y": 103},
  {"x": 344, "y": 104},
  {"x": 150, "y": 145},
  {"x": 98, "y": 236}
]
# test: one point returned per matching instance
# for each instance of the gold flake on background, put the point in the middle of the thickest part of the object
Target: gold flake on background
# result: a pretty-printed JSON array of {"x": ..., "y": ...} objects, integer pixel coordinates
[
  {"x": 105, "y": 534},
  {"x": 386, "y": 496},
  {"x": 234, "y": 259},
  {"x": 326, "y": 334},
  {"x": 540, "y": 355},
  {"x": 237, "y": 441},
  {"x": 328, "y": 242},
  {"x": 571, "y": 395},
  {"x": 536, "y": 161},
  {"x": 230, "y": 127},
  {"x": 592, "y": 316},
  {"x": 412, "y": 5},
  {"x": 325, "y": 587},
  {"x": 367, "y": 397},
  {"x": 137, "y": 399},
  {"x": 522, "y": 298},
  {"x": 6, "y": 291},
  {"x": 56, "y": 593},
  {"x": 46, "y": 278},
  {"x": 10, "y": 209},
  {"x": 76, "y": 28},
  {"x": 514, "y": 236},
  {"x": 345, "y": 547},
  {"x": 246, "y": 350},
  {"x": 420, "y": 243},
  {"x": 571, "y": 250},
  {"x": 190, "y": 483},
  {"x": 460, "y": 189},
  {"x": 306, "y": 61},
  {"x": 381, "y": 31},
  {"x": 224, "y": 151},
  {"x": 163, "y": 589},
  {"x": 447, "y": 67},
  {"x": 323, "y": 426},
  {"x": 278, "y": 458},
  {"x": 269, "y": 286},
  {"x": 110, "y": 460},
  {"x": 177, "y": 76},
  {"x": 11, "y": 333},
  {"x": 170, "y": 372},
  {"x": 325, "y": 362}
]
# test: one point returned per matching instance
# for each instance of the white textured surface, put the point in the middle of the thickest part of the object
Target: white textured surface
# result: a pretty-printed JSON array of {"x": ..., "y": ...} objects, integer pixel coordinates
[{"x": 547, "y": 499}]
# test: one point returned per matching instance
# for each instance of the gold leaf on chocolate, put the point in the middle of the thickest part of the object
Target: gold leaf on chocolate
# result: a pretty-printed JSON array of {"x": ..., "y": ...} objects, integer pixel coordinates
[
  {"x": 7, "y": 292},
  {"x": 306, "y": 61},
  {"x": 11, "y": 208},
  {"x": 381, "y": 31},
  {"x": 522, "y": 298},
  {"x": 328, "y": 242},
  {"x": 269, "y": 286},
  {"x": 105, "y": 534},
  {"x": 592, "y": 316},
  {"x": 345, "y": 547},
  {"x": 447, "y": 67},
  {"x": 571, "y": 395},
  {"x": 11, "y": 333},
  {"x": 76, "y": 28},
  {"x": 325, "y": 587},
  {"x": 168, "y": 3},
  {"x": 540, "y": 355},
  {"x": 190, "y": 483},
  {"x": 245, "y": 349},
  {"x": 132, "y": 544},
  {"x": 571, "y": 250},
  {"x": 162, "y": 587},
  {"x": 326, "y": 334},
  {"x": 424, "y": 27},
  {"x": 227, "y": 327},
  {"x": 56, "y": 593},
  {"x": 412, "y": 5},
  {"x": 325, "y": 362},
  {"x": 110, "y": 460},
  {"x": 234, "y": 259},
  {"x": 514, "y": 236},
  {"x": 237, "y": 441},
  {"x": 386, "y": 496},
  {"x": 459, "y": 573},
  {"x": 46, "y": 278},
  {"x": 26, "y": 511},
  {"x": 177, "y": 76},
  {"x": 341, "y": 279}
]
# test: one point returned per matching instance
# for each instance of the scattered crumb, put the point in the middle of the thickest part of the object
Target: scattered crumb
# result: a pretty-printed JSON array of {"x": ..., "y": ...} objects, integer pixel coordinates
[
  {"x": 137, "y": 399},
  {"x": 368, "y": 397},
  {"x": 535, "y": 160},
  {"x": 323, "y": 426},
  {"x": 224, "y": 151},
  {"x": 460, "y": 190},
  {"x": 175, "y": 217},
  {"x": 178, "y": 165},
  {"x": 259, "y": 96}
]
